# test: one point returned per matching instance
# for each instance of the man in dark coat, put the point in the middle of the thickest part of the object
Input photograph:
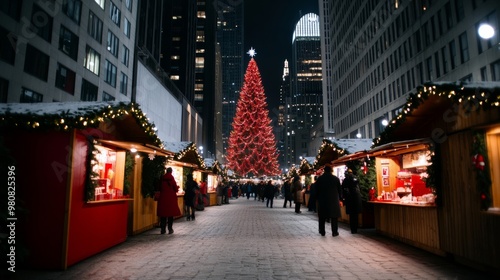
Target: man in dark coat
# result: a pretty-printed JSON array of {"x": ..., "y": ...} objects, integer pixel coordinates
[
  {"x": 190, "y": 196},
  {"x": 287, "y": 193},
  {"x": 328, "y": 193},
  {"x": 269, "y": 191},
  {"x": 352, "y": 196}
]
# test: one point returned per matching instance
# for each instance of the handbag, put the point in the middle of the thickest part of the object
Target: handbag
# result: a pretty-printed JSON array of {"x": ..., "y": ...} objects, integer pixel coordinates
[{"x": 156, "y": 196}]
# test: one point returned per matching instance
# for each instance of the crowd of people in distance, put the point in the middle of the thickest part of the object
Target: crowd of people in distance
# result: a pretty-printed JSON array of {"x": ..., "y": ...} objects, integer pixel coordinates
[{"x": 325, "y": 196}]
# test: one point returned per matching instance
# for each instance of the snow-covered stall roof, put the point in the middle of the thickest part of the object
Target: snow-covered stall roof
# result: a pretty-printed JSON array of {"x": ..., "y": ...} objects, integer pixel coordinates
[
  {"x": 63, "y": 116},
  {"x": 434, "y": 98},
  {"x": 185, "y": 151},
  {"x": 354, "y": 145}
]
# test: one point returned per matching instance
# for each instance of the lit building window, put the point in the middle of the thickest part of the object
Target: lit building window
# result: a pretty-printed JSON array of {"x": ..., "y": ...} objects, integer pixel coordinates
[
  {"x": 200, "y": 62},
  {"x": 92, "y": 60},
  {"x": 201, "y": 14}
]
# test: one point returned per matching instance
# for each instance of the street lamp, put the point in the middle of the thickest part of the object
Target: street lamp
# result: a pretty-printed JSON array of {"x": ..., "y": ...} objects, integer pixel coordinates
[
  {"x": 385, "y": 122},
  {"x": 201, "y": 149},
  {"x": 486, "y": 31}
]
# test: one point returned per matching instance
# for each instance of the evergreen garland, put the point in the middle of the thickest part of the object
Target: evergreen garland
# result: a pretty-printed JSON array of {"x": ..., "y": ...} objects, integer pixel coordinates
[
  {"x": 433, "y": 172},
  {"x": 366, "y": 181},
  {"x": 152, "y": 170},
  {"x": 482, "y": 174},
  {"x": 90, "y": 162},
  {"x": 129, "y": 168}
]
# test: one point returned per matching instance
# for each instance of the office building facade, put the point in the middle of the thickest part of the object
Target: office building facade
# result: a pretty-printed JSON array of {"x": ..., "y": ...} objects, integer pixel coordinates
[
  {"x": 304, "y": 104},
  {"x": 66, "y": 51},
  {"x": 380, "y": 51},
  {"x": 230, "y": 24}
]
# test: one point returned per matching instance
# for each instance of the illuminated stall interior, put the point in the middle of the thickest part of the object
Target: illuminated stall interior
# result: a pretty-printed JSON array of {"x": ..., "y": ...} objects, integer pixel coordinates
[{"x": 402, "y": 171}]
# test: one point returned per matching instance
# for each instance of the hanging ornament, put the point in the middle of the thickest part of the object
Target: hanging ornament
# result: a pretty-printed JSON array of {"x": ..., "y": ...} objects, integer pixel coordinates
[
  {"x": 478, "y": 161},
  {"x": 365, "y": 168}
]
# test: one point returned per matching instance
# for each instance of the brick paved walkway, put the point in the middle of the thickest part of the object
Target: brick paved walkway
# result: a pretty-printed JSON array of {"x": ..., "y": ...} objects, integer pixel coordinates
[{"x": 246, "y": 240}]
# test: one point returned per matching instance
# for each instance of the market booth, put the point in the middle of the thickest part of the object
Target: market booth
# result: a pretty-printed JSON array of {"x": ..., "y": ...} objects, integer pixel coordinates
[
  {"x": 213, "y": 175},
  {"x": 186, "y": 160},
  {"x": 337, "y": 153},
  {"x": 71, "y": 176},
  {"x": 446, "y": 138}
]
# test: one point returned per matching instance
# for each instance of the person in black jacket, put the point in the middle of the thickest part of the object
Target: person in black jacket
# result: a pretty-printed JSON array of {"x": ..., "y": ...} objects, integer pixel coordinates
[
  {"x": 352, "y": 199},
  {"x": 287, "y": 193},
  {"x": 329, "y": 194},
  {"x": 269, "y": 191},
  {"x": 190, "y": 196}
]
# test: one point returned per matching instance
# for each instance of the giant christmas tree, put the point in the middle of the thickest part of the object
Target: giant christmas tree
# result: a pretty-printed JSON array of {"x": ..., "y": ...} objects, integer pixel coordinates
[{"x": 252, "y": 146}]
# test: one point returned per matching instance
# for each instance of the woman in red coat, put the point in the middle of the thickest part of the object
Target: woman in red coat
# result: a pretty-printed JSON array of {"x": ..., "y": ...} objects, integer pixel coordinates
[{"x": 167, "y": 203}]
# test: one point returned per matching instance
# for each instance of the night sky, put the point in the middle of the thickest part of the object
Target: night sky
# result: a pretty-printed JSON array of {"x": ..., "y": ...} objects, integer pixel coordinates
[{"x": 269, "y": 26}]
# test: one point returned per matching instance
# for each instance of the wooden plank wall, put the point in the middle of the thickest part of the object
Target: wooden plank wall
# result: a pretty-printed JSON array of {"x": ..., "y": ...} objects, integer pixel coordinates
[
  {"x": 415, "y": 225},
  {"x": 466, "y": 232},
  {"x": 469, "y": 234},
  {"x": 143, "y": 216}
]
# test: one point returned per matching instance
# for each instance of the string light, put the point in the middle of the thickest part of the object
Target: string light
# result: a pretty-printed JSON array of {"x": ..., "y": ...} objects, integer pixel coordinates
[{"x": 489, "y": 97}]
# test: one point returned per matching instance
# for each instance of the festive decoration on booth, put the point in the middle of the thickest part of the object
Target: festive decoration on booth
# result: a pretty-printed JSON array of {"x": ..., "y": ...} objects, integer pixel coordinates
[
  {"x": 364, "y": 170},
  {"x": 479, "y": 164},
  {"x": 328, "y": 152},
  {"x": 432, "y": 179},
  {"x": 251, "y": 145},
  {"x": 152, "y": 170},
  {"x": 470, "y": 96},
  {"x": 52, "y": 116},
  {"x": 306, "y": 166},
  {"x": 129, "y": 169},
  {"x": 186, "y": 152},
  {"x": 90, "y": 162}
]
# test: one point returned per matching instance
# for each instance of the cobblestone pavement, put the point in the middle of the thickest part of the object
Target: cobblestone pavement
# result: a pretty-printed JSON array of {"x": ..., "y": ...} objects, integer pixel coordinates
[{"x": 247, "y": 240}]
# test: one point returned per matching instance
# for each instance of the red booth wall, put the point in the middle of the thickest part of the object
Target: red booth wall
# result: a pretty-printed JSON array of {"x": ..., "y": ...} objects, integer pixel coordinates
[
  {"x": 42, "y": 164},
  {"x": 41, "y": 176},
  {"x": 94, "y": 227}
]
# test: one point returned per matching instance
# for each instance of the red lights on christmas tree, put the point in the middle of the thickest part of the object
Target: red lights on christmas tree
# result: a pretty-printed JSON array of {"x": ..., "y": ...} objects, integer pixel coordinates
[{"x": 251, "y": 145}]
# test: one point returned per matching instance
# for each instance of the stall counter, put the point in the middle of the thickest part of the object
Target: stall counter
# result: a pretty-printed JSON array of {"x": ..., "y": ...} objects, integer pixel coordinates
[{"x": 413, "y": 224}]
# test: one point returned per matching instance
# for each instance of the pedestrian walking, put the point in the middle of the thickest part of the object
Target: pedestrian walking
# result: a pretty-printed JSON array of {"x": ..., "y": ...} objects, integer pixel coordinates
[
  {"x": 167, "y": 202},
  {"x": 190, "y": 196},
  {"x": 352, "y": 199},
  {"x": 219, "y": 190},
  {"x": 311, "y": 205},
  {"x": 297, "y": 193},
  {"x": 287, "y": 193},
  {"x": 269, "y": 190},
  {"x": 329, "y": 193}
]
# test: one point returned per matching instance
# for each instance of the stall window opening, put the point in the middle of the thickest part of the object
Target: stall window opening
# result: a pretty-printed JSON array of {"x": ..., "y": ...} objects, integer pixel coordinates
[
  {"x": 493, "y": 148},
  {"x": 110, "y": 170}
]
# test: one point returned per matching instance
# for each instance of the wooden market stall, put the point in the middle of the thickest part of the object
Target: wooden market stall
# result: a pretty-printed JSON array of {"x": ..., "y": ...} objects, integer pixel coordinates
[
  {"x": 72, "y": 176},
  {"x": 186, "y": 160},
  {"x": 405, "y": 208},
  {"x": 461, "y": 122},
  {"x": 337, "y": 153},
  {"x": 213, "y": 175}
]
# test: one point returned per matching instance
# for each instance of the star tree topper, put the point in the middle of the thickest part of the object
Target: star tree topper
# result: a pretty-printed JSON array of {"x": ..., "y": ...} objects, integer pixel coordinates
[{"x": 252, "y": 52}]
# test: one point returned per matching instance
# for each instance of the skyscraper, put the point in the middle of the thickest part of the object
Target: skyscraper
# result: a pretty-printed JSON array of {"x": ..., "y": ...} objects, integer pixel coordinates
[
  {"x": 280, "y": 129},
  {"x": 230, "y": 37},
  {"x": 205, "y": 71},
  {"x": 304, "y": 105},
  {"x": 382, "y": 50},
  {"x": 44, "y": 46}
]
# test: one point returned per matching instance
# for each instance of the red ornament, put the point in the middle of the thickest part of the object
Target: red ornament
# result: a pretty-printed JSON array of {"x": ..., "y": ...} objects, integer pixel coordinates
[
  {"x": 365, "y": 168},
  {"x": 478, "y": 161},
  {"x": 483, "y": 196}
]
